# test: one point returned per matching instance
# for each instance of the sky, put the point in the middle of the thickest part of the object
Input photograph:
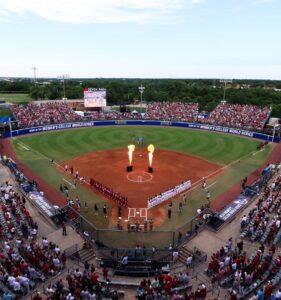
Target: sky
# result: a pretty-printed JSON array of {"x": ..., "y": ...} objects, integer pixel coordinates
[{"x": 234, "y": 39}]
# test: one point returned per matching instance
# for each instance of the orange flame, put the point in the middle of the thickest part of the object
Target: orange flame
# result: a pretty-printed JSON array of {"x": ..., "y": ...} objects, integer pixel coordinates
[
  {"x": 150, "y": 149},
  {"x": 130, "y": 153}
]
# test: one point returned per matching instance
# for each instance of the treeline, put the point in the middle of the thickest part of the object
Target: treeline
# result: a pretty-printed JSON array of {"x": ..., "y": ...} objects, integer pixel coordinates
[{"x": 208, "y": 93}]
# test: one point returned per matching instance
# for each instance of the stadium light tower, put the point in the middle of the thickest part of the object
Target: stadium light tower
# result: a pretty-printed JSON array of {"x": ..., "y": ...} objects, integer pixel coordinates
[
  {"x": 63, "y": 77},
  {"x": 225, "y": 81},
  {"x": 34, "y": 74},
  {"x": 141, "y": 89}
]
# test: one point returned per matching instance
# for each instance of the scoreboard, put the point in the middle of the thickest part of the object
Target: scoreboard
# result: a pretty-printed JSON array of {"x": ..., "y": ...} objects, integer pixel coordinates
[{"x": 94, "y": 97}]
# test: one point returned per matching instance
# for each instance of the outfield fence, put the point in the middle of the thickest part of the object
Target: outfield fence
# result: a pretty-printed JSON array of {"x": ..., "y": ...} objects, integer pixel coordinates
[{"x": 142, "y": 122}]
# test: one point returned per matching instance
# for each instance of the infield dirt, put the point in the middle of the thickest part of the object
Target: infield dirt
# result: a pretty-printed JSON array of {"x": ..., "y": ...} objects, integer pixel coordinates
[{"x": 169, "y": 169}]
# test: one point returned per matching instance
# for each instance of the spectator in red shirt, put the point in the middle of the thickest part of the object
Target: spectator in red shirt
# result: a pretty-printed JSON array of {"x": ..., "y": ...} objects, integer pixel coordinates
[{"x": 94, "y": 278}]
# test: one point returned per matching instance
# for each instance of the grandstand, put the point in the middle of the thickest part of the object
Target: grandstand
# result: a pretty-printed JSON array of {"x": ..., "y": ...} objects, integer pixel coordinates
[
  {"x": 140, "y": 150},
  {"x": 233, "y": 262},
  {"x": 241, "y": 116},
  {"x": 249, "y": 117},
  {"x": 29, "y": 260}
]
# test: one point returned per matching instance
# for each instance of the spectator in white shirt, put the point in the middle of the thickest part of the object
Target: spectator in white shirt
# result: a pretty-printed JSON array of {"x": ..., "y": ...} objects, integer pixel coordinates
[
  {"x": 57, "y": 263},
  {"x": 227, "y": 261},
  {"x": 11, "y": 280},
  {"x": 189, "y": 261},
  {"x": 24, "y": 281},
  {"x": 16, "y": 286},
  {"x": 278, "y": 294},
  {"x": 57, "y": 250},
  {"x": 175, "y": 255}
]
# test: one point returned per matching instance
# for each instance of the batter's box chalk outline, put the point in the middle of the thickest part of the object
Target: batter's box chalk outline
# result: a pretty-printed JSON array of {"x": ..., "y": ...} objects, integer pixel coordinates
[
  {"x": 143, "y": 213},
  {"x": 133, "y": 214}
]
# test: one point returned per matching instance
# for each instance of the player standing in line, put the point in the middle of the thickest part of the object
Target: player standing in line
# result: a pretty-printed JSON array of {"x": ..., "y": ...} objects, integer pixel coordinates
[
  {"x": 105, "y": 211},
  {"x": 184, "y": 197},
  {"x": 208, "y": 196},
  {"x": 204, "y": 184},
  {"x": 169, "y": 211},
  {"x": 180, "y": 208},
  {"x": 96, "y": 209}
]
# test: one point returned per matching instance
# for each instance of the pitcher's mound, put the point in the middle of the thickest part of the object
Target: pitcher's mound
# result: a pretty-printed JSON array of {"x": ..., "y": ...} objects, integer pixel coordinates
[{"x": 139, "y": 176}]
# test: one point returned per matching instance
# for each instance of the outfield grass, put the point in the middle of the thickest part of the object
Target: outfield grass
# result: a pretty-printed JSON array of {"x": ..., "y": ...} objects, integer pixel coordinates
[
  {"x": 15, "y": 98},
  {"x": 64, "y": 145},
  {"x": 226, "y": 150}
]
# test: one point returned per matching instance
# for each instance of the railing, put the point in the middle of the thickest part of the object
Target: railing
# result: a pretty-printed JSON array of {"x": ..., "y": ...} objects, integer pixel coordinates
[
  {"x": 50, "y": 281},
  {"x": 116, "y": 238},
  {"x": 72, "y": 250}
]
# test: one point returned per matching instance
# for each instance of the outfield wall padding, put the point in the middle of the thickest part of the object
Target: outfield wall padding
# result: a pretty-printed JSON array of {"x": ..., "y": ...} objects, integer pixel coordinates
[{"x": 235, "y": 131}]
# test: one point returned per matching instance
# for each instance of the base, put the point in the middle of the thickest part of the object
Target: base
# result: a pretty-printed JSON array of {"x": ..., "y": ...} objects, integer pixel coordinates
[
  {"x": 150, "y": 170},
  {"x": 129, "y": 168}
]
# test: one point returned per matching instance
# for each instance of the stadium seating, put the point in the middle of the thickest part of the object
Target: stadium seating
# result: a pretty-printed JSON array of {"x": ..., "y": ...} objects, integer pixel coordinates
[
  {"x": 41, "y": 114},
  {"x": 172, "y": 111},
  {"x": 238, "y": 116},
  {"x": 25, "y": 260},
  {"x": 263, "y": 222},
  {"x": 231, "y": 115}
]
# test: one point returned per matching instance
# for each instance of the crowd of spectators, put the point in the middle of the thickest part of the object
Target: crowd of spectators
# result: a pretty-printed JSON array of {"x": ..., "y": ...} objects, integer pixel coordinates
[
  {"x": 112, "y": 115},
  {"x": 31, "y": 115},
  {"x": 166, "y": 286},
  {"x": 25, "y": 260},
  {"x": 232, "y": 267},
  {"x": 172, "y": 111},
  {"x": 238, "y": 116},
  {"x": 260, "y": 272},
  {"x": 58, "y": 112},
  {"x": 262, "y": 223},
  {"x": 82, "y": 284},
  {"x": 231, "y": 115}
]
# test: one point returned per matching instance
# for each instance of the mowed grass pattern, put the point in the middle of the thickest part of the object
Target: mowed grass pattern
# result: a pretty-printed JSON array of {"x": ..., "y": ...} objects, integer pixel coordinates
[
  {"x": 64, "y": 145},
  {"x": 227, "y": 150}
]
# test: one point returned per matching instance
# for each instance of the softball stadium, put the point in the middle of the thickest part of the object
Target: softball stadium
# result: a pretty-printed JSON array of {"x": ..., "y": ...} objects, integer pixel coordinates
[{"x": 189, "y": 202}]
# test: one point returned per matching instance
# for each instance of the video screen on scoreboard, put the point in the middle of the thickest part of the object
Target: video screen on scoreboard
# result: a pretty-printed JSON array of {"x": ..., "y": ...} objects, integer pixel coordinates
[{"x": 94, "y": 97}]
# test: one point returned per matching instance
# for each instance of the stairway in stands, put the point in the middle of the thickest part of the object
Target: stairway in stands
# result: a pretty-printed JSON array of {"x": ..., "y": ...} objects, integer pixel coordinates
[
  {"x": 86, "y": 254},
  {"x": 183, "y": 254}
]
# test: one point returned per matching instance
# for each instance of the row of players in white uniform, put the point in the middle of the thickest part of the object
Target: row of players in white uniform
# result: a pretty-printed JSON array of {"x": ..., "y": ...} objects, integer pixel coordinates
[{"x": 168, "y": 194}]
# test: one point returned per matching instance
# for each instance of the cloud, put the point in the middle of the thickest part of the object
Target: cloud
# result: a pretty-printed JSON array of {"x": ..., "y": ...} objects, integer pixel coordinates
[
  {"x": 4, "y": 15},
  {"x": 98, "y": 11}
]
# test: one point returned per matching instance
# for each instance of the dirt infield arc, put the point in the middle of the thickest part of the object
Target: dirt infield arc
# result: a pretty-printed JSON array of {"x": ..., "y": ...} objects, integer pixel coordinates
[{"x": 170, "y": 168}]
